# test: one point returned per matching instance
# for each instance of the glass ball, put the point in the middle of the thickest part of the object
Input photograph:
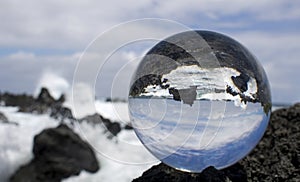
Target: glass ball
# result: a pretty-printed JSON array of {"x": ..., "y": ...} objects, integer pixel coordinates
[{"x": 199, "y": 99}]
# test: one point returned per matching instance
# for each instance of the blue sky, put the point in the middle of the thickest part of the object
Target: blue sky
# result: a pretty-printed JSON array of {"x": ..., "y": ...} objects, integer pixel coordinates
[{"x": 41, "y": 41}]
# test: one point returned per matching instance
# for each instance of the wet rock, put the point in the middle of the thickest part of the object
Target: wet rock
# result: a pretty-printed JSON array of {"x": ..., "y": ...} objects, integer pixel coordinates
[{"x": 58, "y": 153}]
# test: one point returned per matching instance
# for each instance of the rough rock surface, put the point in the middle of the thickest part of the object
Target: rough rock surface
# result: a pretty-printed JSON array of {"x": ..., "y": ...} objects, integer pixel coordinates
[
  {"x": 163, "y": 172},
  {"x": 275, "y": 158},
  {"x": 58, "y": 153}
]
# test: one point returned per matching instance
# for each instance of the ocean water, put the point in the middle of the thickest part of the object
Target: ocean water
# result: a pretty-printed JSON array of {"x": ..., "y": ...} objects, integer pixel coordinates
[{"x": 192, "y": 138}]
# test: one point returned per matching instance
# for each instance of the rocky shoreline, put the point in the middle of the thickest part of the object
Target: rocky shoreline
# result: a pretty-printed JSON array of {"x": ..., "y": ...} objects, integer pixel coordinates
[
  {"x": 58, "y": 153},
  {"x": 275, "y": 158},
  {"x": 45, "y": 103}
]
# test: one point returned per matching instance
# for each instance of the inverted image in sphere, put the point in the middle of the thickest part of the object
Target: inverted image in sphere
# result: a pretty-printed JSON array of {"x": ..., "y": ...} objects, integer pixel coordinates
[{"x": 199, "y": 99}]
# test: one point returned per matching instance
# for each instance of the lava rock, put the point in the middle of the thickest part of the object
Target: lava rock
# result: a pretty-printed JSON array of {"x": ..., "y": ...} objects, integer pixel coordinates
[
  {"x": 175, "y": 93},
  {"x": 45, "y": 97},
  {"x": 275, "y": 158},
  {"x": 21, "y": 101},
  {"x": 128, "y": 127},
  {"x": 112, "y": 127},
  {"x": 241, "y": 81},
  {"x": 58, "y": 153},
  {"x": 163, "y": 172},
  {"x": 61, "y": 113},
  {"x": 44, "y": 103},
  {"x": 142, "y": 82}
]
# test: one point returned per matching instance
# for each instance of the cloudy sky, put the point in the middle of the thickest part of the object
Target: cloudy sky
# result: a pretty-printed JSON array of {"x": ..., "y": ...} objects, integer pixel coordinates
[{"x": 41, "y": 41}]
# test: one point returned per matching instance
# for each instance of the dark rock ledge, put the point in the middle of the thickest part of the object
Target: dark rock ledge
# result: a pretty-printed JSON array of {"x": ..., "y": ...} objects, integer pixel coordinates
[
  {"x": 46, "y": 104},
  {"x": 58, "y": 153},
  {"x": 275, "y": 158}
]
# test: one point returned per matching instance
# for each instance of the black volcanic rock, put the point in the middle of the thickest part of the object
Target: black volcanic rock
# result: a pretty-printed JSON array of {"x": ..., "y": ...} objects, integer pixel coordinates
[
  {"x": 21, "y": 101},
  {"x": 142, "y": 82},
  {"x": 44, "y": 103},
  {"x": 230, "y": 52},
  {"x": 175, "y": 93},
  {"x": 45, "y": 97},
  {"x": 29, "y": 104},
  {"x": 62, "y": 113},
  {"x": 241, "y": 81},
  {"x": 58, "y": 153},
  {"x": 112, "y": 127},
  {"x": 275, "y": 158},
  {"x": 162, "y": 172},
  {"x": 128, "y": 127}
]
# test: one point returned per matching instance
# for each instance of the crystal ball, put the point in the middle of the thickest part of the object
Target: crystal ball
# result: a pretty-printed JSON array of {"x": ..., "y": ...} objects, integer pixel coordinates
[{"x": 199, "y": 99}]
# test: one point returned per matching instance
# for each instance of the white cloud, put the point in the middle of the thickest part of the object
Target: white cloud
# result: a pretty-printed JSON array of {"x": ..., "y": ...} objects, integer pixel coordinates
[
  {"x": 65, "y": 25},
  {"x": 279, "y": 55},
  {"x": 27, "y": 72}
]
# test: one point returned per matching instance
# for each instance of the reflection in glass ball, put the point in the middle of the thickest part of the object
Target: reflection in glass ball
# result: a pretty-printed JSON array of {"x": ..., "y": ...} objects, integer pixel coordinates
[{"x": 199, "y": 99}]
